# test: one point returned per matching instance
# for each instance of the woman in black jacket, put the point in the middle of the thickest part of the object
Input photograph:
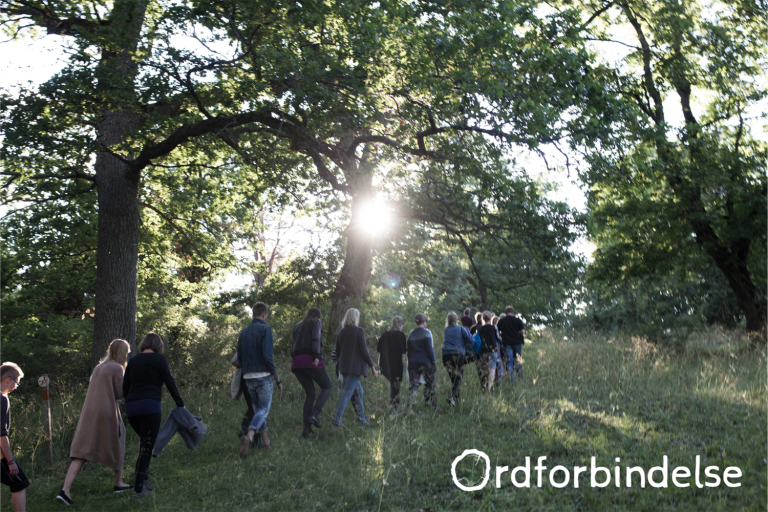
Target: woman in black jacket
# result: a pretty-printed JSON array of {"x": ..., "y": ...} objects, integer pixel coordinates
[
  {"x": 307, "y": 365},
  {"x": 391, "y": 348},
  {"x": 353, "y": 357},
  {"x": 144, "y": 377}
]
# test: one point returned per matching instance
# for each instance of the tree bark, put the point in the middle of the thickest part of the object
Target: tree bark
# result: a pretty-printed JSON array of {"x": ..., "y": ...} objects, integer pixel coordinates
[
  {"x": 733, "y": 264},
  {"x": 117, "y": 243},
  {"x": 350, "y": 288},
  {"x": 117, "y": 183}
]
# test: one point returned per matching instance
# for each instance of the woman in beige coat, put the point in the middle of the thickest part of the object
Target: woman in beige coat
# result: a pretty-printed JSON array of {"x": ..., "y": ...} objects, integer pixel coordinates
[{"x": 100, "y": 434}]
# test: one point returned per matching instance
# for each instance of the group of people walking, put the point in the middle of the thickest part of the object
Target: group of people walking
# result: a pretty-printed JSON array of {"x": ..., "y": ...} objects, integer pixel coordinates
[
  {"x": 100, "y": 433},
  {"x": 490, "y": 341}
]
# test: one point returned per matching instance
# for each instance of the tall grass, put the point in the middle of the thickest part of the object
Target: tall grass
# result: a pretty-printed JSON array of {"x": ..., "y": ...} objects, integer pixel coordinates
[{"x": 584, "y": 394}]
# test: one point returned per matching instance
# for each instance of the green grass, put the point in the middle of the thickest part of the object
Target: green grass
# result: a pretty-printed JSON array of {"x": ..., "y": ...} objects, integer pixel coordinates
[{"x": 588, "y": 395}]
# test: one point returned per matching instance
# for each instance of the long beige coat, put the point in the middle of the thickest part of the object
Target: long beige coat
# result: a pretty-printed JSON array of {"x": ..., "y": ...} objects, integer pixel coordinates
[{"x": 100, "y": 434}]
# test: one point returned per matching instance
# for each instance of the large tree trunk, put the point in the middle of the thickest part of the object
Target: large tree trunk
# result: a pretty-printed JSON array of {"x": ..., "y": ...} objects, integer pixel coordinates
[
  {"x": 118, "y": 243},
  {"x": 117, "y": 183},
  {"x": 733, "y": 264},
  {"x": 355, "y": 273}
]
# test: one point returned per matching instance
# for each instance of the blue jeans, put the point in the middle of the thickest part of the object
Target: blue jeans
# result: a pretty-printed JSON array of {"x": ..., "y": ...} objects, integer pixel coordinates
[
  {"x": 261, "y": 398},
  {"x": 511, "y": 354},
  {"x": 351, "y": 383}
]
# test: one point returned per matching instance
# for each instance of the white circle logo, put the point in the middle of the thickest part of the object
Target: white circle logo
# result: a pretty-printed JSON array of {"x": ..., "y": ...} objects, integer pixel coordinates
[{"x": 478, "y": 455}]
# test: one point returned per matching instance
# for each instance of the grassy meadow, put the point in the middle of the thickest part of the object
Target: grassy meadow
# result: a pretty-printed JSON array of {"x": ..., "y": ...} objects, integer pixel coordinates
[{"x": 583, "y": 395}]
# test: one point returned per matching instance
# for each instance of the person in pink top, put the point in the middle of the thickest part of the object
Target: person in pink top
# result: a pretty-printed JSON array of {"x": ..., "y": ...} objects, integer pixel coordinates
[{"x": 308, "y": 367}]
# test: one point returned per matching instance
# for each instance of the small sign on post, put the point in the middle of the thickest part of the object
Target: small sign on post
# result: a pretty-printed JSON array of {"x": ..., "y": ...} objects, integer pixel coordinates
[{"x": 43, "y": 381}]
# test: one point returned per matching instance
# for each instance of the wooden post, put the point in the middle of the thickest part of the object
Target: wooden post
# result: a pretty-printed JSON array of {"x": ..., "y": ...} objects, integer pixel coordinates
[{"x": 43, "y": 381}]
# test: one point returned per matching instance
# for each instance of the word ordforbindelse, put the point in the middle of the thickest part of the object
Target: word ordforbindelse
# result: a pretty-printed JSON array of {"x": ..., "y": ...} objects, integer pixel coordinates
[{"x": 560, "y": 476}]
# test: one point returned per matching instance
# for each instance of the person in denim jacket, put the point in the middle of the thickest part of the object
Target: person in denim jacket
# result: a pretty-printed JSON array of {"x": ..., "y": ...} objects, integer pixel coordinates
[{"x": 254, "y": 355}]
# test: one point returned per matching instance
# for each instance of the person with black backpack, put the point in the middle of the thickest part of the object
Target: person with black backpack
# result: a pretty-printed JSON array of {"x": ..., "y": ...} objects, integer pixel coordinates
[{"x": 489, "y": 346}]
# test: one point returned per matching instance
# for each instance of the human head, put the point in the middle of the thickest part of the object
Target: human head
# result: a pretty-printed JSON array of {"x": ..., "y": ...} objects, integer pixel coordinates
[
  {"x": 118, "y": 352},
  {"x": 153, "y": 342},
  {"x": 478, "y": 317},
  {"x": 351, "y": 317},
  {"x": 487, "y": 315},
  {"x": 495, "y": 320},
  {"x": 466, "y": 312},
  {"x": 312, "y": 313},
  {"x": 10, "y": 375},
  {"x": 502, "y": 316},
  {"x": 510, "y": 310},
  {"x": 260, "y": 310},
  {"x": 397, "y": 323},
  {"x": 420, "y": 319},
  {"x": 451, "y": 319}
]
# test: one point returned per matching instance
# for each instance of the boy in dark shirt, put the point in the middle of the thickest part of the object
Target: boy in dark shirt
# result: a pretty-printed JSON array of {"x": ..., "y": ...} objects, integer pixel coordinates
[{"x": 12, "y": 475}]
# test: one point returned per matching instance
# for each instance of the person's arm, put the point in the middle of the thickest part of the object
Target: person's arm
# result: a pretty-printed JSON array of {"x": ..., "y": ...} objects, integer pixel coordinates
[
  {"x": 431, "y": 348},
  {"x": 127, "y": 380},
  {"x": 117, "y": 383},
  {"x": 170, "y": 383},
  {"x": 337, "y": 348},
  {"x": 364, "y": 351},
  {"x": 234, "y": 361},
  {"x": 5, "y": 446},
  {"x": 317, "y": 350},
  {"x": 465, "y": 337},
  {"x": 267, "y": 350}
]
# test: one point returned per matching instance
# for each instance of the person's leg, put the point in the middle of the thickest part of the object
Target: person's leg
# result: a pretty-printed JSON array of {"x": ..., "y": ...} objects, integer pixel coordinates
[
  {"x": 248, "y": 415},
  {"x": 309, "y": 395},
  {"x": 320, "y": 376},
  {"x": 19, "y": 501},
  {"x": 147, "y": 426},
  {"x": 491, "y": 371},
  {"x": 449, "y": 361},
  {"x": 394, "y": 394},
  {"x": 518, "y": 360},
  {"x": 72, "y": 472},
  {"x": 413, "y": 386},
  {"x": 456, "y": 388},
  {"x": 118, "y": 479},
  {"x": 261, "y": 395},
  {"x": 350, "y": 385},
  {"x": 430, "y": 397},
  {"x": 359, "y": 409},
  {"x": 509, "y": 360}
]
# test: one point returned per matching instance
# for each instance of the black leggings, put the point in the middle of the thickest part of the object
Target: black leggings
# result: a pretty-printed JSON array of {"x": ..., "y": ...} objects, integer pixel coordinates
[
  {"x": 307, "y": 378},
  {"x": 147, "y": 427},
  {"x": 454, "y": 364}
]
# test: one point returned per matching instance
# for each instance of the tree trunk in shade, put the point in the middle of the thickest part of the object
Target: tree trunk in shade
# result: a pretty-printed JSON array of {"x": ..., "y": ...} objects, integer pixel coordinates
[{"x": 117, "y": 247}]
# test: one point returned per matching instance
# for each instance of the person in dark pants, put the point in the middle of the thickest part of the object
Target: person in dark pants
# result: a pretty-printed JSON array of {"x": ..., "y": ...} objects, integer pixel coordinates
[
  {"x": 12, "y": 475},
  {"x": 421, "y": 361},
  {"x": 391, "y": 348},
  {"x": 308, "y": 367},
  {"x": 144, "y": 377},
  {"x": 489, "y": 348},
  {"x": 512, "y": 332},
  {"x": 456, "y": 339}
]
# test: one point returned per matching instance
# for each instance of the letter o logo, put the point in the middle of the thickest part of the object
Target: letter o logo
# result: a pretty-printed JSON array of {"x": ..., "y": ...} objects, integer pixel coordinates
[{"x": 478, "y": 455}]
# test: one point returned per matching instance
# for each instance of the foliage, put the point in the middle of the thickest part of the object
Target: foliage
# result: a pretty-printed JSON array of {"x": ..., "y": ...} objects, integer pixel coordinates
[{"x": 683, "y": 174}]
